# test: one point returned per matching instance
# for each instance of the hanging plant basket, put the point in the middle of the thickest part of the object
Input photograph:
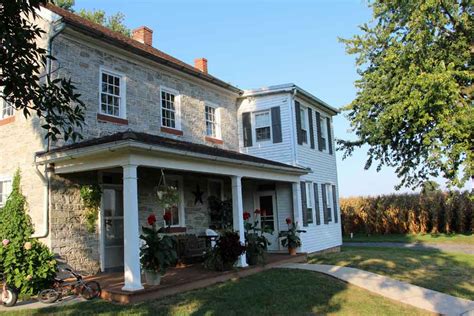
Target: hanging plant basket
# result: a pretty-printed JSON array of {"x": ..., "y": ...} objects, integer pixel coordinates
[{"x": 168, "y": 196}]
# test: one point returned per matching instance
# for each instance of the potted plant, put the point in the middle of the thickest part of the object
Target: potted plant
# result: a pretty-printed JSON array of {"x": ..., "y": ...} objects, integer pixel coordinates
[
  {"x": 291, "y": 238},
  {"x": 168, "y": 196},
  {"x": 158, "y": 252},
  {"x": 225, "y": 253},
  {"x": 256, "y": 242}
]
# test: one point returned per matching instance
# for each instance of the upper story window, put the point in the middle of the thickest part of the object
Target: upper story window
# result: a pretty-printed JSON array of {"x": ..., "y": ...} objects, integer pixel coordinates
[
  {"x": 304, "y": 124},
  {"x": 263, "y": 125},
  {"x": 170, "y": 109},
  {"x": 212, "y": 116},
  {"x": 112, "y": 94},
  {"x": 6, "y": 109},
  {"x": 324, "y": 133},
  {"x": 5, "y": 190}
]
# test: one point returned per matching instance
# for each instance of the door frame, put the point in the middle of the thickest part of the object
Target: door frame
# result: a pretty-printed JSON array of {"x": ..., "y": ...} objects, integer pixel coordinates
[
  {"x": 276, "y": 226},
  {"x": 103, "y": 187}
]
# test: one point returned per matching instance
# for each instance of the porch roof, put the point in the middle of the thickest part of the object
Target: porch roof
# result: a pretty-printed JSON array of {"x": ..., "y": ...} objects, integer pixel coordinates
[{"x": 137, "y": 140}]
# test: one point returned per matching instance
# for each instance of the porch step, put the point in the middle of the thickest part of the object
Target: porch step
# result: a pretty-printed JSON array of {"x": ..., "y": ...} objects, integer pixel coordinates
[{"x": 192, "y": 280}]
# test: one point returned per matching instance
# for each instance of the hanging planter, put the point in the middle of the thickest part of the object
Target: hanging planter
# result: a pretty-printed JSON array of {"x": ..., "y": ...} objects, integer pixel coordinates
[
  {"x": 91, "y": 196},
  {"x": 168, "y": 195}
]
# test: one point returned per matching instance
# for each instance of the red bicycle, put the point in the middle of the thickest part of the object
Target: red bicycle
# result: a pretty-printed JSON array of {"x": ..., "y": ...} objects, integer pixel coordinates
[{"x": 8, "y": 295}]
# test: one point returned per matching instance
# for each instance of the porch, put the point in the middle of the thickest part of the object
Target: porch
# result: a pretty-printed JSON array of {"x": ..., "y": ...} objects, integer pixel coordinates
[
  {"x": 129, "y": 166},
  {"x": 182, "y": 279}
]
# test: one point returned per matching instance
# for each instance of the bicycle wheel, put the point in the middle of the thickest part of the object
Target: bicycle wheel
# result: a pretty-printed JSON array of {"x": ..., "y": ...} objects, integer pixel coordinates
[
  {"x": 48, "y": 296},
  {"x": 9, "y": 298},
  {"x": 90, "y": 290}
]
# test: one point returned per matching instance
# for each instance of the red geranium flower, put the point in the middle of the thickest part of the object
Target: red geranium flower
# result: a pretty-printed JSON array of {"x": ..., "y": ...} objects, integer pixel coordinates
[
  {"x": 246, "y": 216},
  {"x": 167, "y": 216},
  {"x": 288, "y": 221},
  {"x": 151, "y": 219}
]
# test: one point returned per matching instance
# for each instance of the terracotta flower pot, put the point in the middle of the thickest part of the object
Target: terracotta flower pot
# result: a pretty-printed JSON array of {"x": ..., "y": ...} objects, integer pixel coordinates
[{"x": 292, "y": 251}]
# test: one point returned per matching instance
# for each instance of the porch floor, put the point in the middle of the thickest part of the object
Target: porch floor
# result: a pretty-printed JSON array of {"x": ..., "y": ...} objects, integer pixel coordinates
[{"x": 182, "y": 279}]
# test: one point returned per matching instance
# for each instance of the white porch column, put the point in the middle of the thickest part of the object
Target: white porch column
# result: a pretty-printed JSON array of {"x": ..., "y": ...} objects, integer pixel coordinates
[
  {"x": 131, "y": 240},
  {"x": 297, "y": 207},
  {"x": 238, "y": 215}
]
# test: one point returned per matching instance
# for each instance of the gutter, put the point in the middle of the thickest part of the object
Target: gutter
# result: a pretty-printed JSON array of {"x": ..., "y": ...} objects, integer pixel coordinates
[
  {"x": 57, "y": 27},
  {"x": 126, "y": 144}
]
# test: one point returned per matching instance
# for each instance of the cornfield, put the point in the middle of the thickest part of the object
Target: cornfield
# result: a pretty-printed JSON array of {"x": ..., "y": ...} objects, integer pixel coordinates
[{"x": 436, "y": 212}]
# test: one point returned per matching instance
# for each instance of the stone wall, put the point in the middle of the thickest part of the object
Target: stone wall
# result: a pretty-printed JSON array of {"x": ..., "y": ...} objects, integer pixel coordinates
[
  {"x": 82, "y": 62},
  {"x": 69, "y": 236}
]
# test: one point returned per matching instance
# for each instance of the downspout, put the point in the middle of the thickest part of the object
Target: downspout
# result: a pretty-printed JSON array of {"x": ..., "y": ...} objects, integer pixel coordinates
[{"x": 57, "y": 27}]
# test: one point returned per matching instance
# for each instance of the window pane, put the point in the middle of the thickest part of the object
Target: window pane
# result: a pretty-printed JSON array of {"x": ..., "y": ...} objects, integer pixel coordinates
[
  {"x": 263, "y": 133},
  {"x": 262, "y": 119},
  {"x": 110, "y": 94}
]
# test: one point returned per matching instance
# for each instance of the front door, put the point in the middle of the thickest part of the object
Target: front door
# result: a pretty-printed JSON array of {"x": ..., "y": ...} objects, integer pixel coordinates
[
  {"x": 112, "y": 228},
  {"x": 266, "y": 203}
]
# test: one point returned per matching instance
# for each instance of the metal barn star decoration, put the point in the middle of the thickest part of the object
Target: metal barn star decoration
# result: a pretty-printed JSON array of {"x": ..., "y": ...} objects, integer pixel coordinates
[{"x": 198, "y": 195}]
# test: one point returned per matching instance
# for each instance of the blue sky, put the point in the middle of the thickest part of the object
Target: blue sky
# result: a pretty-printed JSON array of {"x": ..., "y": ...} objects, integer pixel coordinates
[{"x": 259, "y": 43}]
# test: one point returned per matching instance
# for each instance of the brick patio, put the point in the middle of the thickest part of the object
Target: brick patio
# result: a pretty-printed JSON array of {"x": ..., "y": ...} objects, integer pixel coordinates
[{"x": 182, "y": 279}]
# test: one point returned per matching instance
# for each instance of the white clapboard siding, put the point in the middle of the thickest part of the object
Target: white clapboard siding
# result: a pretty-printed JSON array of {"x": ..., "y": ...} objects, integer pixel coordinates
[{"x": 322, "y": 165}]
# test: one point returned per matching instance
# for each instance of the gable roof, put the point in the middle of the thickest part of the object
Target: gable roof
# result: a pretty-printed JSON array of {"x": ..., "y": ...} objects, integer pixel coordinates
[
  {"x": 178, "y": 146},
  {"x": 114, "y": 38}
]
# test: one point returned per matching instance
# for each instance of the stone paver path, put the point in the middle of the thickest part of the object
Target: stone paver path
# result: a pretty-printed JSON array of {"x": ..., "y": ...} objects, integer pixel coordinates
[
  {"x": 462, "y": 248},
  {"x": 413, "y": 295}
]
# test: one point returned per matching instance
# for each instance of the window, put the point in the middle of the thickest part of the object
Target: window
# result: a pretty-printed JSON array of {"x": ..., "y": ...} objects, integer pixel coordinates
[
  {"x": 5, "y": 190},
  {"x": 263, "y": 126},
  {"x": 329, "y": 200},
  {"x": 304, "y": 124},
  {"x": 112, "y": 94},
  {"x": 169, "y": 109},
  {"x": 6, "y": 109},
  {"x": 309, "y": 203},
  {"x": 324, "y": 132},
  {"x": 177, "y": 211},
  {"x": 212, "y": 115}
]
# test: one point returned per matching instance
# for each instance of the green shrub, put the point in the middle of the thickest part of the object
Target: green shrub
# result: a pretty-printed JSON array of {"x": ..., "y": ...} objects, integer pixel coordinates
[
  {"x": 430, "y": 212},
  {"x": 28, "y": 264}
]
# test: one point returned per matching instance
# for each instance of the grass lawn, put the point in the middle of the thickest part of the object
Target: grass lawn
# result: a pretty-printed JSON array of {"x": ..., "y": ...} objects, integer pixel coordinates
[
  {"x": 451, "y": 273},
  {"x": 411, "y": 238},
  {"x": 282, "y": 292}
]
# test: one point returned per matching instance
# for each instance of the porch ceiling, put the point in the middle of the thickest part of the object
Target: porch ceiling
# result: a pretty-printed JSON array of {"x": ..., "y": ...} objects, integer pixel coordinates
[{"x": 154, "y": 151}]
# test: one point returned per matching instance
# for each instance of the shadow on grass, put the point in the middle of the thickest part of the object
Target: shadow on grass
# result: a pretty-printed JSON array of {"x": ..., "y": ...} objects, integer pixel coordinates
[
  {"x": 412, "y": 238},
  {"x": 450, "y": 273},
  {"x": 277, "y": 291}
]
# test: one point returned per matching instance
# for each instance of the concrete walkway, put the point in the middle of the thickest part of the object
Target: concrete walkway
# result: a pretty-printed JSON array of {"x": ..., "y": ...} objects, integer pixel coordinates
[
  {"x": 34, "y": 304},
  {"x": 396, "y": 290},
  {"x": 461, "y": 248}
]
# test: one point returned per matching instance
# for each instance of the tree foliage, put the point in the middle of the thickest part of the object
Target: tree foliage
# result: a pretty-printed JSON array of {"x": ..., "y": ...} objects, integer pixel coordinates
[
  {"x": 414, "y": 105},
  {"x": 115, "y": 22},
  {"x": 28, "y": 264},
  {"x": 26, "y": 82}
]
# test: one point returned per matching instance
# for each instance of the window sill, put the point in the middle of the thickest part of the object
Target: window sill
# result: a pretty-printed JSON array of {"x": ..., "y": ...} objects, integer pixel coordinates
[
  {"x": 214, "y": 140},
  {"x": 175, "y": 229},
  {"x": 111, "y": 119},
  {"x": 7, "y": 120},
  {"x": 171, "y": 131}
]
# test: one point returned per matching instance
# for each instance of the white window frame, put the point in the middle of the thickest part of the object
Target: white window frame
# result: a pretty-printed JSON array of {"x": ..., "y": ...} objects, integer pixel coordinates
[
  {"x": 310, "y": 201},
  {"x": 5, "y": 195},
  {"x": 330, "y": 202},
  {"x": 221, "y": 182},
  {"x": 305, "y": 120},
  {"x": 324, "y": 132},
  {"x": 177, "y": 107},
  {"x": 217, "y": 118},
  {"x": 254, "y": 126},
  {"x": 5, "y": 105},
  {"x": 122, "y": 95},
  {"x": 181, "y": 214}
]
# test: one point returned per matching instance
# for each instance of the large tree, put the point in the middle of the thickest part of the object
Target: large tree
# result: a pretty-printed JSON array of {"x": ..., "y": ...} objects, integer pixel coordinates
[
  {"x": 26, "y": 82},
  {"x": 414, "y": 104}
]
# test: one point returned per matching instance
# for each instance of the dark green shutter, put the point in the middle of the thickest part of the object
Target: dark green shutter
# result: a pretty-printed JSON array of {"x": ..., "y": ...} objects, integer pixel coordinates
[
  {"x": 299, "y": 137},
  {"x": 276, "y": 125},
  {"x": 334, "y": 201},
  {"x": 329, "y": 135},
  {"x": 247, "y": 129},
  {"x": 304, "y": 203},
  {"x": 325, "y": 204},
  {"x": 318, "y": 131},
  {"x": 316, "y": 204},
  {"x": 311, "y": 129}
]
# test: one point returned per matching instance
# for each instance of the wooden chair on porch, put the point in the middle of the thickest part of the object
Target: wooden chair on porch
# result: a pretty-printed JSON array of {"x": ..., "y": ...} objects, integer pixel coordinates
[{"x": 191, "y": 248}]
